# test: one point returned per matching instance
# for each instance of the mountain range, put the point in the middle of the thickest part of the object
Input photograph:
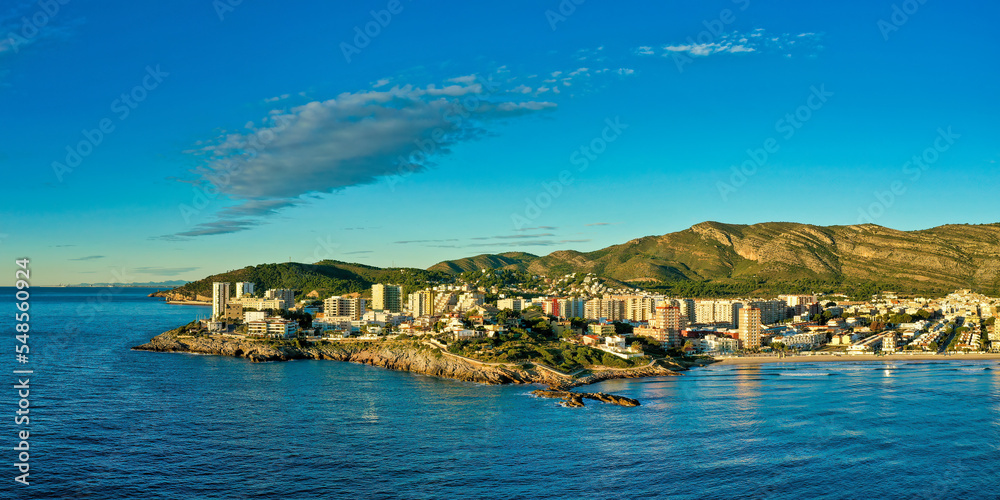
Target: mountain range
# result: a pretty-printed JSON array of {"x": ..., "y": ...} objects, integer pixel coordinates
[{"x": 713, "y": 258}]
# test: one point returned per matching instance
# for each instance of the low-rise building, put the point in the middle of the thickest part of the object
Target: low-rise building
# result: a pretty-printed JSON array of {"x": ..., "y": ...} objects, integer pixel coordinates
[{"x": 272, "y": 328}]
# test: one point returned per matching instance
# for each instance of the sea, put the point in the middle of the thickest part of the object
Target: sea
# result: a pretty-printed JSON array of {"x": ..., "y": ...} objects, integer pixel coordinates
[{"x": 110, "y": 422}]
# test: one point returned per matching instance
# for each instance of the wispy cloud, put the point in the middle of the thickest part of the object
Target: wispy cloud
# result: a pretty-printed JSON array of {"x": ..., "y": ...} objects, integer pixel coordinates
[
  {"x": 422, "y": 241},
  {"x": 217, "y": 227},
  {"x": 19, "y": 30},
  {"x": 89, "y": 257},
  {"x": 756, "y": 41},
  {"x": 353, "y": 139}
]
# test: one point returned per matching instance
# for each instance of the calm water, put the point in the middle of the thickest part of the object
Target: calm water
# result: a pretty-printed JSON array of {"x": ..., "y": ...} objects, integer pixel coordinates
[{"x": 112, "y": 423}]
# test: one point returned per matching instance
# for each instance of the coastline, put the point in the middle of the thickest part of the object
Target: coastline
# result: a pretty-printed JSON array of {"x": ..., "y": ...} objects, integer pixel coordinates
[
  {"x": 843, "y": 359},
  {"x": 188, "y": 303},
  {"x": 419, "y": 357}
]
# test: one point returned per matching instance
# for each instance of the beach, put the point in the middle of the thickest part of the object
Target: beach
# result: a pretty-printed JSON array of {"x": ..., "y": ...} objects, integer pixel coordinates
[{"x": 845, "y": 358}]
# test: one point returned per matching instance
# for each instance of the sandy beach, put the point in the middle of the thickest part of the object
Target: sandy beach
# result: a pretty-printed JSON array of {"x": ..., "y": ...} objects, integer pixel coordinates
[{"x": 845, "y": 358}]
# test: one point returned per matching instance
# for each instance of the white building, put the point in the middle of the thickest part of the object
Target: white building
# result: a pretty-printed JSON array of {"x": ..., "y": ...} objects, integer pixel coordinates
[
  {"x": 220, "y": 297},
  {"x": 243, "y": 288},
  {"x": 249, "y": 316},
  {"x": 284, "y": 294},
  {"x": 515, "y": 305},
  {"x": 277, "y": 328},
  {"x": 338, "y": 306}
]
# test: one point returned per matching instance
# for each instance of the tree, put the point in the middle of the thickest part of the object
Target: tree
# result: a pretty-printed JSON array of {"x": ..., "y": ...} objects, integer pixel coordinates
[
  {"x": 623, "y": 328},
  {"x": 933, "y": 346}
]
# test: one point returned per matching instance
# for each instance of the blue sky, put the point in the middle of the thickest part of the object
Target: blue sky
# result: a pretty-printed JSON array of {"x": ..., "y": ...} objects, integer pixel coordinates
[{"x": 263, "y": 132}]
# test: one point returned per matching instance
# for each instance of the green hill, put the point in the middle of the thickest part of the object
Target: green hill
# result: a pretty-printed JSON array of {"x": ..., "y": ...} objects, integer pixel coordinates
[
  {"x": 708, "y": 259},
  {"x": 723, "y": 259},
  {"x": 327, "y": 277},
  {"x": 514, "y": 261}
]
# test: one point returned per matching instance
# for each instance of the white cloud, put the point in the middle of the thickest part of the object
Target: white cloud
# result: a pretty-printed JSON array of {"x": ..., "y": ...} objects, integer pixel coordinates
[
  {"x": 353, "y": 139},
  {"x": 277, "y": 98},
  {"x": 734, "y": 43},
  {"x": 380, "y": 83},
  {"x": 467, "y": 79}
]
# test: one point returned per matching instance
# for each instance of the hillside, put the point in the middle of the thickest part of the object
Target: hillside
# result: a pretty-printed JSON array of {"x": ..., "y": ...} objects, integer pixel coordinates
[
  {"x": 708, "y": 259},
  {"x": 792, "y": 257},
  {"x": 514, "y": 261},
  {"x": 326, "y": 277}
]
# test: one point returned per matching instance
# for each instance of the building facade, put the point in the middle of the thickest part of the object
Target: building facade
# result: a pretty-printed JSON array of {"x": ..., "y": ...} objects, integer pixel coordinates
[
  {"x": 750, "y": 328},
  {"x": 387, "y": 298},
  {"x": 220, "y": 297}
]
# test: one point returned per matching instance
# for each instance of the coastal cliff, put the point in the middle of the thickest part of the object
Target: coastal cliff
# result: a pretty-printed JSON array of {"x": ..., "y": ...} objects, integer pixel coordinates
[{"x": 412, "y": 356}]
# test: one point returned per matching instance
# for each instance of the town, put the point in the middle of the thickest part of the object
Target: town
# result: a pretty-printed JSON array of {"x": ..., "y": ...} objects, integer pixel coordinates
[{"x": 625, "y": 323}]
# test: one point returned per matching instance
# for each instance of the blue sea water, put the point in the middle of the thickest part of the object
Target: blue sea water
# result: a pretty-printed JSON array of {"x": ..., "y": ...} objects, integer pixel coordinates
[{"x": 108, "y": 422}]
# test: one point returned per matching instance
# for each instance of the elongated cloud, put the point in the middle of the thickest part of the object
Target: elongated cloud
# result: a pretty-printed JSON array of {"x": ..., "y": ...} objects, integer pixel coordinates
[
  {"x": 353, "y": 139},
  {"x": 756, "y": 41}
]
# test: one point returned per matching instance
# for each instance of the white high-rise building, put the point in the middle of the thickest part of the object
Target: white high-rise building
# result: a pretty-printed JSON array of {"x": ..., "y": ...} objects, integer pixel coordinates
[
  {"x": 244, "y": 288},
  {"x": 341, "y": 307},
  {"x": 220, "y": 297}
]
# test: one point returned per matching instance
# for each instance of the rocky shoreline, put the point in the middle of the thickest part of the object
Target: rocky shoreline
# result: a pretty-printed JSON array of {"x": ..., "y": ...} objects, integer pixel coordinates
[{"x": 413, "y": 356}]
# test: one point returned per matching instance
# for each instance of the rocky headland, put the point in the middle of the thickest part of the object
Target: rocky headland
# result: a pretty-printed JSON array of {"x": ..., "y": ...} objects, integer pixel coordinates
[{"x": 415, "y": 356}]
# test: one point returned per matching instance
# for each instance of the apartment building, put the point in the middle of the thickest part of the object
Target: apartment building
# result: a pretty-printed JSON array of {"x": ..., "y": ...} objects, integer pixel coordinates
[
  {"x": 387, "y": 298},
  {"x": 349, "y": 307},
  {"x": 243, "y": 288},
  {"x": 750, "y": 328},
  {"x": 220, "y": 297},
  {"x": 421, "y": 303}
]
